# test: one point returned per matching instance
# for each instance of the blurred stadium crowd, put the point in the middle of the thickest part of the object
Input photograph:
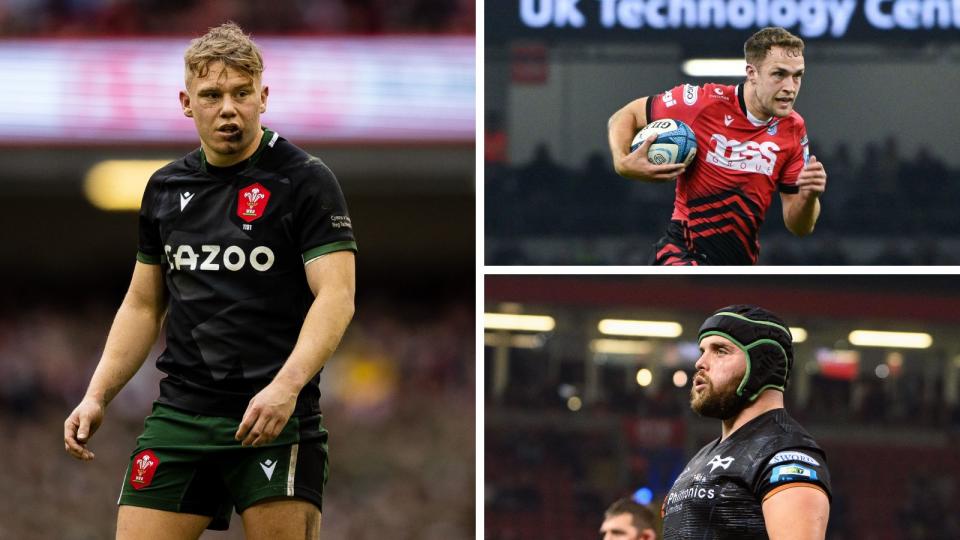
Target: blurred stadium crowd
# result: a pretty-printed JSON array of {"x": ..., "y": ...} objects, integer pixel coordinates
[
  {"x": 51, "y": 18},
  {"x": 544, "y": 213},
  {"x": 907, "y": 400},
  {"x": 395, "y": 397}
]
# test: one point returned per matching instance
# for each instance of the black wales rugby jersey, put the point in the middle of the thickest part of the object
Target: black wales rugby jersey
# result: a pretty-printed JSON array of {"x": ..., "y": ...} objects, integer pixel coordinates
[
  {"x": 233, "y": 243},
  {"x": 720, "y": 493}
]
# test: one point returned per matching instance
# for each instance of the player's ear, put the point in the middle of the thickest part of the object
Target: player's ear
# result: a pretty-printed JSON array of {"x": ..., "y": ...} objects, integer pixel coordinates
[
  {"x": 185, "y": 104},
  {"x": 264, "y": 92}
]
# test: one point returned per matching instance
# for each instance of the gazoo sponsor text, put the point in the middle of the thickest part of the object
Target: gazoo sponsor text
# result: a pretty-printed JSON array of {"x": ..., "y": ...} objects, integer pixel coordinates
[{"x": 232, "y": 258}]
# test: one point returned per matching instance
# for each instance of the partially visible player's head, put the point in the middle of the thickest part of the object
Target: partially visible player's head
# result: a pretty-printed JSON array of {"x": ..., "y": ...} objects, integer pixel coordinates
[
  {"x": 745, "y": 350},
  {"x": 774, "y": 70},
  {"x": 224, "y": 95},
  {"x": 627, "y": 520}
]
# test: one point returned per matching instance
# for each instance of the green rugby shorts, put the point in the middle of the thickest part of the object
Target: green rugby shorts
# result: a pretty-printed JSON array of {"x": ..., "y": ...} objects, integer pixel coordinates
[{"x": 191, "y": 463}]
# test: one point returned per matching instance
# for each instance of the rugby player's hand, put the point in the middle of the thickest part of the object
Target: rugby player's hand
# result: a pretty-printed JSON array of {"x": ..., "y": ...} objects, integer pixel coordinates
[
  {"x": 267, "y": 414},
  {"x": 636, "y": 165},
  {"x": 80, "y": 426},
  {"x": 813, "y": 179}
]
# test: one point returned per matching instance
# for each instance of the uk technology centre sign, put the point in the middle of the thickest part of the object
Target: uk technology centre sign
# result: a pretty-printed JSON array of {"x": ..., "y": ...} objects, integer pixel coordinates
[{"x": 866, "y": 20}]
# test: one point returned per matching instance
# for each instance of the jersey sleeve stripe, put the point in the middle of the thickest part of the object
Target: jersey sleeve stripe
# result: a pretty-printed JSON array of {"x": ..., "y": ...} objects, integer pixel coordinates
[
  {"x": 311, "y": 254},
  {"x": 148, "y": 259},
  {"x": 778, "y": 489}
]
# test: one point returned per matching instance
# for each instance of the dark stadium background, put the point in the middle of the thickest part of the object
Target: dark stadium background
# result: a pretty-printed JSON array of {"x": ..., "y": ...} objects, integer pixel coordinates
[
  {"x": 397, "y": 392},
  {"x": 569, "y": 430},
  {"x": 876, "y": 101}
]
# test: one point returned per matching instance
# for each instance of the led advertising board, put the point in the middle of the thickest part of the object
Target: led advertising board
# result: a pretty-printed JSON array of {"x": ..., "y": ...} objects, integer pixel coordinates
[{"x": 336, "y": 90}]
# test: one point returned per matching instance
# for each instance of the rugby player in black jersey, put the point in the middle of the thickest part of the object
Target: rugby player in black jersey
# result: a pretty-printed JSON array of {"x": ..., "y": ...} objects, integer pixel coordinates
[
  {"x": 765, "y": 477},
  {"x": 246, "y": 253}
]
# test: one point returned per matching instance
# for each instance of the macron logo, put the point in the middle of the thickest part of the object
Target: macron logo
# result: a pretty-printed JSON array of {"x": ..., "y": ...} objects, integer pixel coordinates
[
  {"x": 185, "y": 198},
  {"x": 268, "y": 467},
  {"x": 727, "y": 120}
]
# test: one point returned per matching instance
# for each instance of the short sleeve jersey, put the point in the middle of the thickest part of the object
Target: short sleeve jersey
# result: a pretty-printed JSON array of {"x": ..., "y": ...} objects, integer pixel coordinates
[
  {"x": 233, "y": 243},
  {"x": 741, "y": 162},
  {"x": 720, "y": 493}
]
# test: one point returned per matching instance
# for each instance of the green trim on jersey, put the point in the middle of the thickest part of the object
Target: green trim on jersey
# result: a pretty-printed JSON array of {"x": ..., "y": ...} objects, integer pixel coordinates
[
  {"x": 148, "y": 259},
  {"x": 268, "y": 136},
  {"x": 346, "y": 245}
]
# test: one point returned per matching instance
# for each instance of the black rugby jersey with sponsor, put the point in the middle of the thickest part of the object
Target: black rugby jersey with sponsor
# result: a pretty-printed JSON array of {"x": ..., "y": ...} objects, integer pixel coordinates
[
  {"x": 720, "y": 493},
  {"x": 233, "y": 243}
]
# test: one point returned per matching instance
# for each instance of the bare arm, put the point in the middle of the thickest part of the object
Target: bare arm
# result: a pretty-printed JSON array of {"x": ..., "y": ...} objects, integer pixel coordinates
[
  {"x": 133, "y": 332},
  {"x": 621, "y": 128},
  {"x": 801, "y": 210},
  {"x": 797, "y": 513},
  {"x": 332, "y": 281}
]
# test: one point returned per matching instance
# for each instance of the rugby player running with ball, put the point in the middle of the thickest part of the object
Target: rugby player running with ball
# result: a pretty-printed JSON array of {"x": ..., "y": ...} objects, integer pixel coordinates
[{"x": 750, "y": 144}]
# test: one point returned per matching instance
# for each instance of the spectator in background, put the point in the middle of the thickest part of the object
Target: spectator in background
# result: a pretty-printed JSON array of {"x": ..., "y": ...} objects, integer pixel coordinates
[
  {"x": 626, "y": 519},
  {"x": 540, "y": 180},
  {"x": 888, "y": 168},
  {"x": 843, "y": 172},
  {"x": 495, "y": 139}
]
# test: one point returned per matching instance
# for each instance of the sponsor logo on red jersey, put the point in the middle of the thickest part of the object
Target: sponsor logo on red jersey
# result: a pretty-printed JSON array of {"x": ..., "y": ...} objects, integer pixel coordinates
[
  {"x": 252, "y": 202},
  {"x": 144, "y": 467},
  {"x": 668, "y": 99},
  {"x": 718, "y": 94},
  {"x": 749, "y": 156}
]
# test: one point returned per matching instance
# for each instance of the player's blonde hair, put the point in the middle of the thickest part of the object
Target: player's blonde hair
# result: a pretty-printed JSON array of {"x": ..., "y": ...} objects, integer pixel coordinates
[
  {"x": 225, "y": 43},
  {"x": 756, "y": 48}
]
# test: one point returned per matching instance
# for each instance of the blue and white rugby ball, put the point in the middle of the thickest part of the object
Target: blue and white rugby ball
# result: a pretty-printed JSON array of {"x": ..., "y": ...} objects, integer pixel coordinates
[{"x": 675, "y": 142}]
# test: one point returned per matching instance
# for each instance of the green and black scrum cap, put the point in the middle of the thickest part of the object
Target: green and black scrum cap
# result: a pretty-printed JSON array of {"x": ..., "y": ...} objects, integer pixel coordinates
[{"x": 765, "y": 340}]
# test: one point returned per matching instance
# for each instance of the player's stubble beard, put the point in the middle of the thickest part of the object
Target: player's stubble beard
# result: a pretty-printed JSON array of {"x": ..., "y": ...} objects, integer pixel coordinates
[
  {"x": 720, "y": 402},
  {"x": 768, "y": 106}
]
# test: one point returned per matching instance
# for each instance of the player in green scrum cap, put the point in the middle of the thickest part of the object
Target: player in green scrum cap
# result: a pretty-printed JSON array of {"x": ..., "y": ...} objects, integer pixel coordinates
[{"x": 765, "y": 476}]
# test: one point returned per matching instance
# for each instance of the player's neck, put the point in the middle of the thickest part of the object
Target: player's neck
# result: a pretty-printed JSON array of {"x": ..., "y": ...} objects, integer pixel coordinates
[
  {"x": 768, "y": 401},
  {"x": 750, "y": 100}
]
